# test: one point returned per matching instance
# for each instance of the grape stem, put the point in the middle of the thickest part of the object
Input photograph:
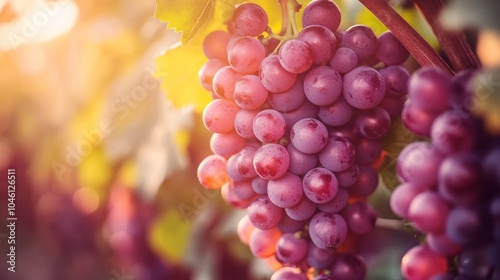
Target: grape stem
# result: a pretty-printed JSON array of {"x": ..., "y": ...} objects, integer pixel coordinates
[
  {"x": 409, "y": 37},
  {"x": 454, "y": 44},
  {"x": 390, "y": 224},
  {"x": 289, "y": 28}
]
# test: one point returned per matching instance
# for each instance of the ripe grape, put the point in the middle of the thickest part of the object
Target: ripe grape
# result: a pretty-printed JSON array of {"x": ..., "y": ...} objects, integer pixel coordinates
[
  {"x": 271, "y": 161},
  {"x": 249, "y": 20},
  {"x": 285, "y": 191},
  {"x": 390, "y": 51},
  {"x": 245, "y": 54},
  {"x": 364, "y": 87},
  {"x": 327, "y": 230},
  {"x": 322, "y": 85},
  {"x": 321, "y": 41},
  {"x": 295, "y": 56},
  {"x": 361, "y": 39},
  {"x": 291, "y": 249},
  {"x": 269, "y": 126},
  {"x": 309, "y": 135},
  {"x": 249, "y": 93},
  {"x": 344, "y": 60},
  {"x": 263, "y": 213},
  {"x": 273, "y": 76},
  {"x": 324, "y": 13},
  {"x": 320, "y": 185},
  {"x": 338, "y": 154}
]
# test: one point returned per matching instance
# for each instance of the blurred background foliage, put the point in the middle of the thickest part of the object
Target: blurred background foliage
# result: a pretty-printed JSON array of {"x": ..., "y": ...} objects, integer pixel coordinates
[{"x": 100, "y": 116}]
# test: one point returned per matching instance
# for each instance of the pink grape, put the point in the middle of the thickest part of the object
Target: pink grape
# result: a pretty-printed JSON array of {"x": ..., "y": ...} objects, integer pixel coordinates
[
  {"x": 269, "y": 126},
  {"x": 364, "y": 87},
  {"x": 430, "y": 89},
  {"x": 338, "y": 154},
  {"x": 323, "y": 85},
  {"x": 263, "y": 213},
  {"x": 285, "y": 191},
  {"x": 249, "y": 93},
  {"x": 208, "y": 70},
  {"x": 271, "y": 161},
  {"x": 291, "y": 249},
  {"x": 243, "y": 123},
  {"x": 212, "y": 172},
  {"x": 262, "y": 243},
  {"x": 273, "y": 76},
  {"x": 337, "y": 204},
  {"x": 226, "y": 144},
  {"x": 320, "y": 185},
  {"x": 390, "y": 50},
  {"x": 322, "y": 12},
  {"x": 218, "y": 116},
  {"x": 401, "y": 198},
  {"x": 327, "y": 230},
  {"x": 321, "y": 41},
  {"x": 249, "y": 20},
  {"x": 421, "y": 263},
  {"x": 300, "y": 162},
  {"x": 309, "y": 135},
  {"x": 428, "y": 212},
  {"x": 288, "y": 100},
  {"x": 344, "y": 60},
  {"x": 215, "y": 44},
  {"x": 361, "y": 39},
  {"x": 295, "y": 56},
  {"x": 245, "y": 54},
  {"x": 302, "y": 210},
  {"x": 336, "y": 114},
  {"x": 224, "y": 82}
]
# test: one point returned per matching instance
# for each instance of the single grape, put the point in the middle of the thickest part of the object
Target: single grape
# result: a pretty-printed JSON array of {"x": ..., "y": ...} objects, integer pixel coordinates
[
  {"x": 465, "y": 225},
  {"x": 212, "y": 172},
  {"x": 348, "y": 266},
  {"x": 295, "y": 56},
  {"x": 321, "y": 12},
  {"x": 421, "y": 263},
  {"x": 344, "y": 60},
  {"x": 263, "y": 242},
  {"x": 320, "y": 185},
  {"x": 300, "y": 163},
  {"x": 419, "y": 163},
  {"x": 366, "y": 182},
  {"x": 367, "y": 150},
  {"x": 218, "y": 116},
  {"x": 273, "y": 76},
  {"x": 336, "y": 114},
  {"x": 224, "y": 81},
  {"x": 390, "y": 51},
  {"x": 249, "y": 20},
  {"x": 271, "y": 161},
  {"x": 269, "y": 126},
  {"x": 417, "y": 120},
  {"x": 338, "y": 154},
  {"x": 226, "y": 144},
  {"x": 428, "y": 212},
  {"x": 309, "y": 135},
  {"x": 474, "y": 263},
  {"x": 360, "y": 217},
  {"x": 460, "y": 178},
  {"x": 327, "y": 230},
  {"x": 285, "y": 191},
  {"x": 288, "y": 100},
  {"x": 396, "y": 80},
  {"x": 361, "y": 39},
  {"x": 291, "y": 249},
  {"x": 242, "y": 189},
  {"x": 302, "y": 211},
  {"x": 321, "y": 41},
  {"x": 249, "y": 93},
  {"x": 323, "y": 85},
  {"x": 215, "y": 44},
  {"x": 453, "y": 132},
  {"x": 430, "y": 89},
  {"x": 243, "y": 123},
  {"x": 245, "y": 54},
  {"x": 364, "y": 87},
  {"x": 348, "y": 177},
  {"x": 373, "y": 123},
  {"x": 263, "y": 213}
]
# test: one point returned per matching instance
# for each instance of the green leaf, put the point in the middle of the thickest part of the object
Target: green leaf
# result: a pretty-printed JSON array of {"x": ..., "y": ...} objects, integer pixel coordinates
[{"x": 397, "y": 138}]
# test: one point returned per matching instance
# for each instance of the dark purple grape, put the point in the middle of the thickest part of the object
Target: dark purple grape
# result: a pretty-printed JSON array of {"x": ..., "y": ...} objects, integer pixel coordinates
[
  {"x": 349, "y": 267},
  {"x": 473, "y": 262},
  {"x": 374, "y": 123},
  {"x": 390, "y": 51},
  {"x": 366, "y": 183},
  {"x": 459, "y": 178},
  {"x": 360, "y": 217},
  {"x": 453, "y": 132}
]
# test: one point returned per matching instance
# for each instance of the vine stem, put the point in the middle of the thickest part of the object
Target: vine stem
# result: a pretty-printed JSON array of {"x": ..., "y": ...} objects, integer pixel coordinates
[
  {"x": 390, "y": 224},
  {"x": 411, "y": 40},
  {"x": 454, "y": 44}
]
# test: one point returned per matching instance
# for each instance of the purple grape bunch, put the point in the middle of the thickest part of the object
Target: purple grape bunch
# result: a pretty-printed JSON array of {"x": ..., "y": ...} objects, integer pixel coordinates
[
  {"x": 297, "y": 132},
  {"x": 450, "y": 188}
]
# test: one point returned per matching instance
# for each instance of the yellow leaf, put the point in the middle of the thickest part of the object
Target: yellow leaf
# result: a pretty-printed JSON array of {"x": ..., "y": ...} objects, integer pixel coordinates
[
  {"x": 169, "y": 235},
  {"x": 179, "y": 68},
  {"x": 190, "y": 16}
]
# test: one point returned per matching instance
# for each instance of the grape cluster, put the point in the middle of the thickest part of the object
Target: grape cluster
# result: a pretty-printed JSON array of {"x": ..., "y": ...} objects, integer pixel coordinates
[
  {"x": 297, "y": 133},
  {"x": 450, "y": 187}
]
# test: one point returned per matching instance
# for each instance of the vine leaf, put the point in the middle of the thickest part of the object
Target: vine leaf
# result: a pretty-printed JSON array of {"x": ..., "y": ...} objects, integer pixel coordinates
[
  {"x": 397, "y": 138},
  {"x": 192, "y": 16}
]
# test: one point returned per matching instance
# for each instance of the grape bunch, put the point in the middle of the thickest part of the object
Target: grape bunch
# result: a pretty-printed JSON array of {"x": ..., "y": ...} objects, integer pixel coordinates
[
  {"x": 297, "y": 124},
  {"x": 450, "y": 187}
]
